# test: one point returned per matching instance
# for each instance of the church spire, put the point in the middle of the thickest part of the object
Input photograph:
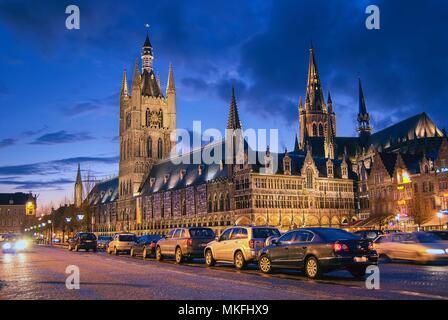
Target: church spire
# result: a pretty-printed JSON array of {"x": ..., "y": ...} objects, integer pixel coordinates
[
  {"x": 330, "y": 103},
  {"x": 296, "y": 145},
  {"x": 124, "y": 85},
  {"x": 364, "y": 128},
  {"x": 78, "y": 188},
  {"x": 234, "y": 119},
  {"x": 314, "y": 94},
  {"x": 170, "y": 87}
]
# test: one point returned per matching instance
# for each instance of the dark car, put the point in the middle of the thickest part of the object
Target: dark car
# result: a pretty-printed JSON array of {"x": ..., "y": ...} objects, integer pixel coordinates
[
  {"x": 82, "y": 240},
  {"x": 145, "y": 246},
  {"x": 369, "y": 234},
  {"x": 184, "y": 243},
  {"x": 319, "y": 250},
  {"x": 103, "y": 242},
  {"x": 443, "y": 235}
]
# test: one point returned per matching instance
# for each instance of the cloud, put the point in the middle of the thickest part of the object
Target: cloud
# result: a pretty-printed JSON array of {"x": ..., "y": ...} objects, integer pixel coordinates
[
  {"x": 80, "y": 108},
  {"x": 34, "y": 184},
  {"x": 7, "y": 142},
  {"x": 62, "y": 137}
]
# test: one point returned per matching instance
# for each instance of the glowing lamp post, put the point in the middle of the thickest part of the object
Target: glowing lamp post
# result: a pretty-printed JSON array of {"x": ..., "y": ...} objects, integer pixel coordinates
[{"x": 440, "y": 216}]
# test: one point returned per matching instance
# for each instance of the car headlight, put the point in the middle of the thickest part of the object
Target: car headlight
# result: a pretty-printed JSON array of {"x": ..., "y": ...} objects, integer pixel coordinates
[
  {"x": 7, "y": 246},
  {"x": 435, "y": 251},
  {"x": 20, "y": 245}
]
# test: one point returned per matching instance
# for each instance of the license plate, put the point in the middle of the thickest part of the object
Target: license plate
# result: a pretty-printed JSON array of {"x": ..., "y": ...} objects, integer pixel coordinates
[
  {"x": 360, "y": 259},
  {"x": 202, "y": 244},
  {"x": 88, "y": 241}
]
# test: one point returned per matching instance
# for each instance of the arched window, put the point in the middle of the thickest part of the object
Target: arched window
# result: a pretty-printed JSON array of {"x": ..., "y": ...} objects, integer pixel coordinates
[
  {"x": 215, "y": 203},
  {"x": 160, "y": 118},
  {"x": 321, "y": 130},
  {"x": 148, "y": 118},
  {"x": 210, "y": 204},
  {"x": 227, "y": 202},
  {"x": 160, "y": 149},
  {"x": 314, "y": 130},
  {"x": 309, "y": 178},
  {"x": 149, "y": 147}
]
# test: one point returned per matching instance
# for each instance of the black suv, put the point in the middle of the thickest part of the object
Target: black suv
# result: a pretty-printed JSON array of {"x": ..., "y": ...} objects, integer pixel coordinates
[{"x": 82, "y": 240}]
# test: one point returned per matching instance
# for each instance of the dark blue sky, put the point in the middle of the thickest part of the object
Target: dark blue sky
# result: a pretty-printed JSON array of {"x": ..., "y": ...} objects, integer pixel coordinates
[{"x": 59, "y": 88}]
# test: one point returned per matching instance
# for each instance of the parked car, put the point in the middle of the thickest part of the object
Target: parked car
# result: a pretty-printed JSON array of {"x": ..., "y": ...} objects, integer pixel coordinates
[
  {"x": 82, "y": 240},
  {"x": 369, "y": 234},
  {"x": 319, "y": 250},
  {"x": 121, "y": 242},
  {"x": 415, "y": 246},
  {"x": 145, "y": 245},
  {"x": 239, "y": 244},
  {"x": 443, "y": 235},
  {"x": 103, "y": 242},
  {"x": 184, "y": 243}
]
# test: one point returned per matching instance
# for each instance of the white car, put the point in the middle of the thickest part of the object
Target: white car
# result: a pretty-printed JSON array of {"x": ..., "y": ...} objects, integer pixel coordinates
[{"x": 122, "y": 242}]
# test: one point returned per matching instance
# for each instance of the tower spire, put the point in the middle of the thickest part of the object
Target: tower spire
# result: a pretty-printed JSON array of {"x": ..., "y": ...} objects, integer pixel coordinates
[
  {"x": 364, "y": 128},
  {"x": 124, "y": 85},
  {"x": 170, "y": 87},
  {"x": 296, "y": 145},
  {"x": 234, "y": 119},
  {"x": 136, "y": 78},
  {"x": 147, "y": 54},
  {"x": 78, "y": 188}
]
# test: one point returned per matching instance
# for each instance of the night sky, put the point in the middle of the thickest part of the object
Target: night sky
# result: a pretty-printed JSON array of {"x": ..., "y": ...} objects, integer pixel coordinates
[{"x": 59, "y": 88}]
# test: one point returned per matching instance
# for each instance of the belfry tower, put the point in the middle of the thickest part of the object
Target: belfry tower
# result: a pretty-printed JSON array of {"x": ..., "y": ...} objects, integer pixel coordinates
[{"x": 147, "y": 119}]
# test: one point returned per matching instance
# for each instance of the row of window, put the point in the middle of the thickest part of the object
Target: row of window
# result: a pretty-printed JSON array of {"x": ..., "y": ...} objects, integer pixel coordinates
[{"x": 140, "y": 150}]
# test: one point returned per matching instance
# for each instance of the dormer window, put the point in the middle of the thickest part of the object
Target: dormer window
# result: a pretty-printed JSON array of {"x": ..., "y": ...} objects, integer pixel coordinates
[
  {"x": 200, "y": 169},
  {"x": 221, "y": 165},
  {"x": 151, "y": 182},
  {"x": 165, "y": 178},
  {"x": 182, "y": 174}
]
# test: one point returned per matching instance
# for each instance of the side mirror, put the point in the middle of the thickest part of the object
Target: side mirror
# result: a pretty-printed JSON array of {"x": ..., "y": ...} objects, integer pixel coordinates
[{"x": 275, "y": 242}]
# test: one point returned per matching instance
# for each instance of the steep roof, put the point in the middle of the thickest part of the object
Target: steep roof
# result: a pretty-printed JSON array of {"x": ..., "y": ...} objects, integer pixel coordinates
[
  {"x": 150, "y": 86},
  {"x": 104, "y": 192},
  {"x": 417, "y": 126}
]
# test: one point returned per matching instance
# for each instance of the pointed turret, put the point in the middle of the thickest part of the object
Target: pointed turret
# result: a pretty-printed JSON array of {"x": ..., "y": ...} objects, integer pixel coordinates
[
  {"x": 330, "y": 103},
  {"x": 136, "y": 78},
  {"x": 364, "y": 128},
  {"x": 296, "y": 145},
  {"x": 170, "y": 87},
  {"x": 147, "y": 55},
  {"x": 314, "y": 94},
  {"x": 234, "y": 119},
  {"x": 124, "y": 85}
]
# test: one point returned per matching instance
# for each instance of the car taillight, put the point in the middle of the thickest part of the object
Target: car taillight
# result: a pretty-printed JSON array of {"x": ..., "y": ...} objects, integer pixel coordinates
[
  {"x": 252, "y": 244},
  {"x": 152, "y": 245},
  {"x": 338, "y": 247},
  {"x": 189, "y": 242}
]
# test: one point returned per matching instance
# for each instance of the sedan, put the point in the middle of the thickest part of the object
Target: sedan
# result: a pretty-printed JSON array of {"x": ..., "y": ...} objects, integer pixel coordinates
[
  {"x": 122, "y": 242},
  {"x": 318, "y": 250},
  {"x": 416, "y": 246},
  {"x": 145, "y": 246}
]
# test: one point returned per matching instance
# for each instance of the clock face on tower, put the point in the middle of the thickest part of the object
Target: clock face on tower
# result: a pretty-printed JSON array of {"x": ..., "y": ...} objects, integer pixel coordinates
[{"x": 154, "y": 119}]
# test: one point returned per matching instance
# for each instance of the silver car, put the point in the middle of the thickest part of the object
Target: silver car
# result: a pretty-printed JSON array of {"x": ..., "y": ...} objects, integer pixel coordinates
[
  {"x": 239, "y": 244},
  {"x": 122, "y": 242},
  {"x": 416, "y": 246}
]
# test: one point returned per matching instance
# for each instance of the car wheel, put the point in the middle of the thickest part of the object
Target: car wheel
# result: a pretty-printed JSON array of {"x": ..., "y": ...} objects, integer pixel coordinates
[
  {"x": 115, "y": 251},
  {"x": 131, "y": 253},
  {"x": 144, "y": 253},
  {"x": 312, "y": 268},
  {"x": 76, "y": 248},
  {"x": 179, "y": 256},
  {"x": 239, "y": 261},
  {"x": 159, "y": 256},
  {"x": 358, "y": 272},
  {"x": 264, "y": 264},
  {"x": 70, "y": 248},
  {"x": 209, "y": 260}
]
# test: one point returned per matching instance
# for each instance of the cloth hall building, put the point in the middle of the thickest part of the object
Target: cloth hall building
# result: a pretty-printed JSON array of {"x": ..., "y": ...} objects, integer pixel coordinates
[{"x": 318, "y": 183}]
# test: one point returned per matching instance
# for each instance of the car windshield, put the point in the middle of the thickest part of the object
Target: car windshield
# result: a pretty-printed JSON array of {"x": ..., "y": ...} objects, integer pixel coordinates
[
  {"x": 87, "y": 236},
  {"x": 150, "y": 237},
  {"x": 105, "y": 238},
  {"x": 201, "y": 233},
  {"x": 427, "y": 238},
  {"x": 336, "y": 234},
  {"x": 263, "y": 233},
  {"x": 127, "y": 237}
]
